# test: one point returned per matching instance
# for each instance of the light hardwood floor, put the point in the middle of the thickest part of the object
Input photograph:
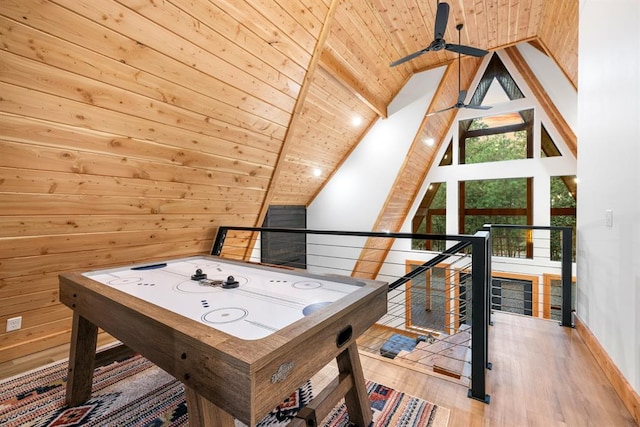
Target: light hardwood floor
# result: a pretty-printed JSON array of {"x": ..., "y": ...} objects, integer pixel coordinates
[{"x": 543, "y": 375}]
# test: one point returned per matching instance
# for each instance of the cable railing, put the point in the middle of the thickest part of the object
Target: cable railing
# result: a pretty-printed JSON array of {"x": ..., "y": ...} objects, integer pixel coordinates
[
  {"x": 540, "y": 285},
  {"x": 433, "y": 323},
  {"x": 439, "y": 303}
]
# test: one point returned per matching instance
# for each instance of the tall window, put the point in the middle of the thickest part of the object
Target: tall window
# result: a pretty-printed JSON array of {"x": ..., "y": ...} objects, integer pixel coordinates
[
  {"x": 431, "y": 218},
  {"x": 499, "y": 201},
  {"x": 497, "y": 138},
  {"x": 563, "y": 211},
  {"x": 488, "y": 140}
]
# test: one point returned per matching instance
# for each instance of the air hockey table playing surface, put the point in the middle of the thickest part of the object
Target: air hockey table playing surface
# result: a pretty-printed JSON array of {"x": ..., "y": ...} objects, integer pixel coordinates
[
  {"x": 240, "y": 350},
  {"x": 265, "y": 301}
]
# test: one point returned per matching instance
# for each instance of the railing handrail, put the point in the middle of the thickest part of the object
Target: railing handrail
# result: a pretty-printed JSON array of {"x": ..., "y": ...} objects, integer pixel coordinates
[
  {"x": 566, "y": 261},
  {"x": 217, "y": 246},
  {"x": 481, "y": 255}
]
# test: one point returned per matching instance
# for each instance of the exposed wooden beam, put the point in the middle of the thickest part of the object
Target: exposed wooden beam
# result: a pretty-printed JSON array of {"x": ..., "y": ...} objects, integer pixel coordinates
[
  {"x": 330, "y": 63},
  {"x": 295, "y": 117},
  {"x": 415, "y": 167},
  {"x": 547, "y": 104}
]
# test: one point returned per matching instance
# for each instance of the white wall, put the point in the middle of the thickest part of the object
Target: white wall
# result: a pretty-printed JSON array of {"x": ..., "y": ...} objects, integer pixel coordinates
[
  {"x": 555, "y": 83},
  {"x": 608, "y": 258},
  {"x": 353, "y": 197}
]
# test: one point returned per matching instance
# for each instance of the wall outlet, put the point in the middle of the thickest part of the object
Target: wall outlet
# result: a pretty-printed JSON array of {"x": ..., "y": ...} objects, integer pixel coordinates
[{"x": 14, "y": 323}]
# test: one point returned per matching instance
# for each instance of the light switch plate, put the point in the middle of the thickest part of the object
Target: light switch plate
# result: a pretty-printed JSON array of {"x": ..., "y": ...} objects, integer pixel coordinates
[{"x": 608, "y": 218}]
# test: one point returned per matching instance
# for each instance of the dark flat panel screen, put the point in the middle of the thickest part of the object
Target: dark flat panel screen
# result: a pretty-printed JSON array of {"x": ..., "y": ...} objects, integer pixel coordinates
[{"x": 288, "y": 249}]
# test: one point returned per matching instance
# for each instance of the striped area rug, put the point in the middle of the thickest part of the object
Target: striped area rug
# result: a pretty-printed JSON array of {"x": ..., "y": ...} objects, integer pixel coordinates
[{"x": 135, "y": 392}]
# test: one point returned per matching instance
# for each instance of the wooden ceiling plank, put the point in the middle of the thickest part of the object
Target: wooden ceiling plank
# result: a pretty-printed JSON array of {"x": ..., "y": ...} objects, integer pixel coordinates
[
  {"x": 537, "y": 11},
  {"x": 382, "y": 50},
  {"x": 331, "y": 65},
  {"x": 355, "y": 44},
  {"x": 115, "y": 59},
  {"x": 314, "y": 64},
  {"x": 203, "y": 99},
  {"x": 163, "y": 39},
  {"x": 213, "y": 31}
]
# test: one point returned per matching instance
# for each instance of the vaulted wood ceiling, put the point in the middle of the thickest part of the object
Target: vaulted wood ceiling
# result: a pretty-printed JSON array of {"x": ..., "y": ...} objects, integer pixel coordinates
[
  {"x": 130, "y": 129},
  {"x": 351, "y": 66},
  {"x": 263, "y": 91}
]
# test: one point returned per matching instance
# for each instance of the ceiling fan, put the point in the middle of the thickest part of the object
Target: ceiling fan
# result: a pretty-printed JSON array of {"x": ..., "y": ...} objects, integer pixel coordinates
[
  {"x": 438, "y": 43},
  {"x": 462, "y": 94}
]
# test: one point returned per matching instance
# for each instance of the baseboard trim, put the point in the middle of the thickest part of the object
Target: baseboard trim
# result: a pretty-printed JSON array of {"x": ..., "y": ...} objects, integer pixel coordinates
[{"x": 627, "y": 394}]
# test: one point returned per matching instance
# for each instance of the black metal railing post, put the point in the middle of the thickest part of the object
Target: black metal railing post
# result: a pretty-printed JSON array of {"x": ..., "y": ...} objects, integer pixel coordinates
[
  {"x": 567, "y": 255},
  {"x": 566, "y": 234},
  {"x": 487, "y": 228},
  {"x": 216, "y": 249},
  {"x": 480, "y": 262}
]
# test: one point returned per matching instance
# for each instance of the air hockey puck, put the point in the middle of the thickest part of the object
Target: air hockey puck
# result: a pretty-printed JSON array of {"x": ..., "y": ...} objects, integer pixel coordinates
[{"x": 230, "y": 283}]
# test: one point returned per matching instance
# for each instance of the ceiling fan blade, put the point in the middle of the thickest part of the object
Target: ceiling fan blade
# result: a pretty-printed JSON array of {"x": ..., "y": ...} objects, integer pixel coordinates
[
  {"x": 409, "y": 57},
  {"x": 461, "y": 96},
  {"x": 442, "y": 111},
  {"x": 465, "y": 50},
  {"x": 478, "y": 107},
  {"x": 442, "y": 16}
]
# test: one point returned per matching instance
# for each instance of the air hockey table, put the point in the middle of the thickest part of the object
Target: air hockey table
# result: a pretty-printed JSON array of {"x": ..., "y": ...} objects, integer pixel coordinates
[{"x": 240, "y": 336}]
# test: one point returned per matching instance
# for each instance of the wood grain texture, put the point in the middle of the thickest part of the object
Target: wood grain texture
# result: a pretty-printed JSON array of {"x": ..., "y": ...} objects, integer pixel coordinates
[
  {"x": 235, "y": 374},
  {"x": 537, "y": 366},
  {"x": 136, "y": 119},
  {"x": 543, "y": 375},
  {"x": 627, "y": 394}
]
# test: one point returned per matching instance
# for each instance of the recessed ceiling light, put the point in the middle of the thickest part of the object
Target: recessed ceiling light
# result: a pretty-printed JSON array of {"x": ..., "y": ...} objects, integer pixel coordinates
[
  {"x": 356, "y": 120},
  {"x": 429, "y": 141},
  {"x": 317, "y": 172}
]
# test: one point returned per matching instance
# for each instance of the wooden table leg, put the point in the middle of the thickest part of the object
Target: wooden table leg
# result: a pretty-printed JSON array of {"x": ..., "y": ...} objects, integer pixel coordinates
[
  {"x": 203, "y": 413},
  {"x": 82, "y": 356},
  {"x": 356, "y": 399}
]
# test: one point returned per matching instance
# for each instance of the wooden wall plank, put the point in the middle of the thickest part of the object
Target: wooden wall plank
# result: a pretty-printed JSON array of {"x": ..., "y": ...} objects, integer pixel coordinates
[
  {"x": 22, "y": 155},
  {"x": 22, "y": 285},
  {"x": 18, "y": 71},
  {"x": 73, "y": 243},
  {"x": 66, "y": 204},
  {"x": 36, "y": 182},
  {"x": 50, "y": 225},
  {"x": 94, "y": 259},
  {"x": 19, "y": 304},
  {"x": 15, "y": 100}
]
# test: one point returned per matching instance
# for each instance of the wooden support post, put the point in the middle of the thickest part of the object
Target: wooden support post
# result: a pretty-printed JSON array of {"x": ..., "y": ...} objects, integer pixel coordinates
[
  {"x": 204, "y": 413},
  {"x": 82, "y": 356},
  {"x": 356, "y": 399}
]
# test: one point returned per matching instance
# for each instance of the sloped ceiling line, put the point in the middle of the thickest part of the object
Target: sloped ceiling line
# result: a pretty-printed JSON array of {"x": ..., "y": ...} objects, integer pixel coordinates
[
  {"x": 415, "y": 167},
  {"x": 543, "y": 98},
  {"x": 330, "y": 63},
  {"x": 313, "y": 64}
]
